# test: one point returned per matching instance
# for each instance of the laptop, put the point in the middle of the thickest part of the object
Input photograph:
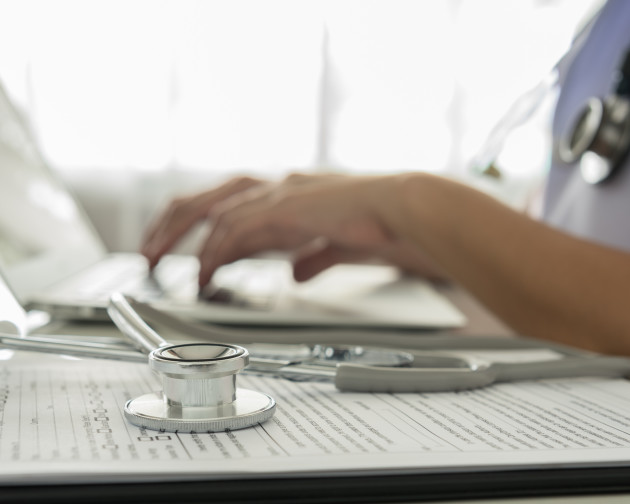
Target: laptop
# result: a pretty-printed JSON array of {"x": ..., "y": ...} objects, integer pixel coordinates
[{"x": 54, "y": 260}]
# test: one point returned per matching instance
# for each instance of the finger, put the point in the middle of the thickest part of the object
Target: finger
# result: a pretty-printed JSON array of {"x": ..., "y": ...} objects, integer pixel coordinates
[
  {"x": 197, "y": 206},
  {"x": 211, "y": 257},
  {"x": 157, "y": 223},
  {"x": 308, "y": 264},
  {"x": 184, "y": 213},
  {"x": 285, "y": 217},
  {"x": 244, "y": 231},
  {"x": 167, "y": 229},
  {"x": 175, "y": 223}
]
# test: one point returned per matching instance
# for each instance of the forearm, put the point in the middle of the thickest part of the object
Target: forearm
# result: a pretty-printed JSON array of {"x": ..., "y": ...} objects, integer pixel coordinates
[{"x": 542, "y": 282}]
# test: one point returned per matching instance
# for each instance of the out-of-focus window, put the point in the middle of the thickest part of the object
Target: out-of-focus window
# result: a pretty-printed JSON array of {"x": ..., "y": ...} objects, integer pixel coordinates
[
  {"x": 226, "y": 84},
  {"x": 213, "y": 87}
]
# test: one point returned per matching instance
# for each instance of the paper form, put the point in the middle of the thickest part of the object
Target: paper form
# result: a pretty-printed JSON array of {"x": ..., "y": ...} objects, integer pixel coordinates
[{"x": 61, "y": 420}]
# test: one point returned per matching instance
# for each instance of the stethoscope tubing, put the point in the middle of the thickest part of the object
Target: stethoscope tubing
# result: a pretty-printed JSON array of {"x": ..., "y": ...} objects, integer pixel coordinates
[
  {"x": 441, "y": 371},
  {"x": 83, "y": 349},
  {"x": 361, "y": 378},
  {"x": 350, "y": 377}
]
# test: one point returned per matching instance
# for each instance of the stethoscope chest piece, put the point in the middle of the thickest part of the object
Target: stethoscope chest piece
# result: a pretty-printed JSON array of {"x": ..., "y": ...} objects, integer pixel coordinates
[
  {"x": 600, "y": 138},
  {"x": 199, "y": 392}
]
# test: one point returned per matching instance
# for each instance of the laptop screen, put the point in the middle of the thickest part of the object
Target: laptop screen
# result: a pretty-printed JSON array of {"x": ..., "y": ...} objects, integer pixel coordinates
[{"x": 44, "y": 234}]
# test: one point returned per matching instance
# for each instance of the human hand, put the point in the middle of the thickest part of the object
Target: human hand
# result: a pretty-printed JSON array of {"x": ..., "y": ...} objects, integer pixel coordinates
[
  {"x": 321, "y": 219},
  {"x": 183, "y": 213}
]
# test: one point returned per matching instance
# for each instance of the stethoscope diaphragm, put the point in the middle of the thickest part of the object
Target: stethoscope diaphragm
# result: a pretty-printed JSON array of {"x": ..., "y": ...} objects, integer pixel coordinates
[{"x": 199, "y": 392}]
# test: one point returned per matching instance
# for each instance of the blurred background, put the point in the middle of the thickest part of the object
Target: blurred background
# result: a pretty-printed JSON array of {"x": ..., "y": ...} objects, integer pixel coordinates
[{"x": 135, "y": 101}]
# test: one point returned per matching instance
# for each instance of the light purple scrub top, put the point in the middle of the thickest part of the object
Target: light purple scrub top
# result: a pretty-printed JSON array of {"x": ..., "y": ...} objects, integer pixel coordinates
[{"x": 597, "y": 212}]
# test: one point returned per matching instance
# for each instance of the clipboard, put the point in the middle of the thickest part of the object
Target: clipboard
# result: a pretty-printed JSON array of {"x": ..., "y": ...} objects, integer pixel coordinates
[
  {"x": 364, "y": 488},
  {"x": 425, "y": 472}
]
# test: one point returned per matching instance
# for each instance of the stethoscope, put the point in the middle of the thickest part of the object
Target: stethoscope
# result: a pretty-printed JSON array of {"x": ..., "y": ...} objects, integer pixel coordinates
[
  {"x": 598, "y": 140},
  {"x": 199, "y": 391}
]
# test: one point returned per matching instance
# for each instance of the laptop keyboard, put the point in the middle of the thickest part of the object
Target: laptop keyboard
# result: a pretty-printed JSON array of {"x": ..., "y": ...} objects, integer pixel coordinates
[
  {"x": 130, "y": 277},
  {"x": 145, "y": 287},
  {"x": 253, "y": 284}
]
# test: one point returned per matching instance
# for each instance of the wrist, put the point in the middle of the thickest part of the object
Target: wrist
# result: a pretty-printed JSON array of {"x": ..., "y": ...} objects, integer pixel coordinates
[{"x": 407, "y": 203}]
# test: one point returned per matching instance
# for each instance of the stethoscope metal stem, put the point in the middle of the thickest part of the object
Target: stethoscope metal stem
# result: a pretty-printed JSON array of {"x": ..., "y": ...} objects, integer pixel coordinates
[
  {"x": 84, "y": 349},
  {"x": 199, "y": 391},
  {"x": 143, "y": 337}
]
